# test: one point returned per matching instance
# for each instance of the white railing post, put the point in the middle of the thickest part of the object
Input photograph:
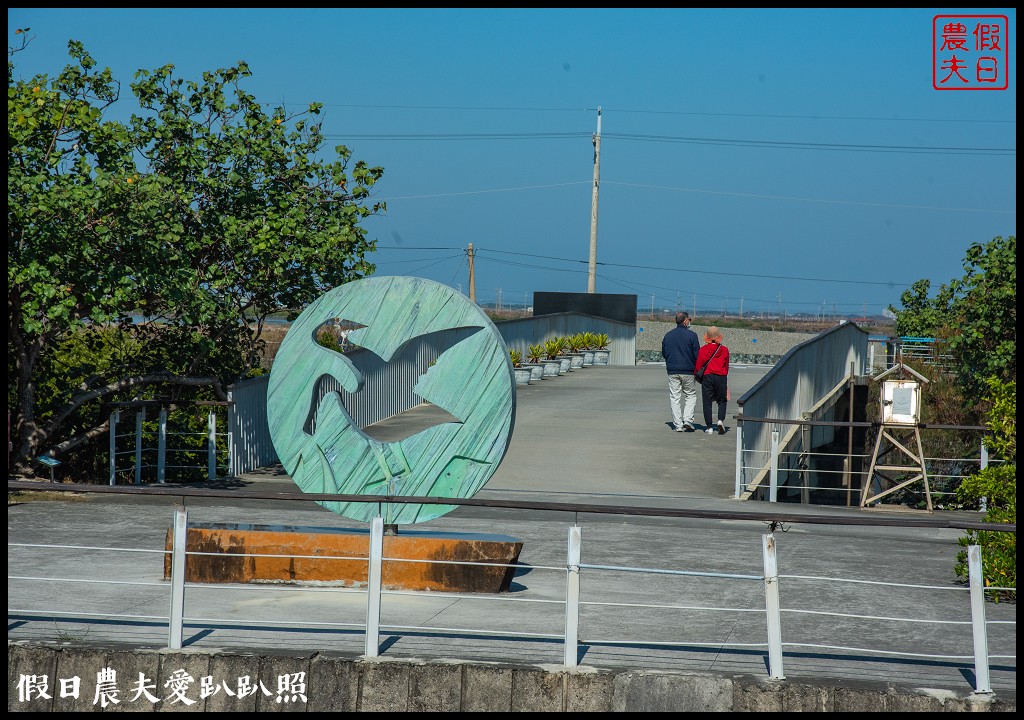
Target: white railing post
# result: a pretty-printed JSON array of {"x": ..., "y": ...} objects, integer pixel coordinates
[
  {"x": 373, "y": 583},
  {"x": 984, "y": 464},
  {"x": 211, "y": 446},
  {"x": 179, "y": 538},
  {"x": 871, "y": 359},
  {"x": 231, "y": 433},
  {"x": 114, "y": 417},
  {"x": 982, "y": 682},
  {"x": 161, "y": 447},
  {"x": 771, "y": 604},
  {"x": 739, "y": 459},
  {"x": 572, "y": 598},
  {"x": 140, "y": 417},
  {"x": 773, "y": 487}
]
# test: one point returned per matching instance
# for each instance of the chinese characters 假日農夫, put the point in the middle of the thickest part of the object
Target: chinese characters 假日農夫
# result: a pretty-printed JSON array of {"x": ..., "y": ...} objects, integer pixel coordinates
[{"x": 290, "y": 688}]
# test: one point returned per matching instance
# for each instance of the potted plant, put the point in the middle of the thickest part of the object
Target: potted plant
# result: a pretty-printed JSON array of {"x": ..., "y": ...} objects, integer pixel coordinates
[
  {"x": 533, "y": 361},
  {"x": 522, "y": 374},
  {"x": 601, "y": 351},
  {"x": 589, "y": 341},
  {"x": 563, "y": 356},
  {"x": 552, "y": 365},
  {"x": 574, "y": 346}
]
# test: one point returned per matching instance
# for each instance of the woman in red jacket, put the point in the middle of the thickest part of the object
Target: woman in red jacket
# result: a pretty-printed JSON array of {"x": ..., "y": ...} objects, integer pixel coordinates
[{"x": 715, "y": 385}]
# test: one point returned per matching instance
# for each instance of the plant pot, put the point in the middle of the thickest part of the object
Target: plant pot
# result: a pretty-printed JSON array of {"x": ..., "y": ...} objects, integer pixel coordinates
[
  {"x": 601, "y": 357},
  {"x": 551, "y": 368},
  {"x": 577, "y": 359},
  {"x": 588, "y": 357},
  {"x": 536, "y": 370},
  {"x": 566, "y": 364},
  {"x": 523, "y": 375}
]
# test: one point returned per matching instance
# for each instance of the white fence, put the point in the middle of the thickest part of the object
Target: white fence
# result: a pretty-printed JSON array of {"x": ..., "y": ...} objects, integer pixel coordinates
[{"x": 597, "y": 595}]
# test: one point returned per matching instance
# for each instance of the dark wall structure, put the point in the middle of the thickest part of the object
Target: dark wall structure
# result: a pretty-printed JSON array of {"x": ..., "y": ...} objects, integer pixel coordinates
[{"x": 605, "y": 305}]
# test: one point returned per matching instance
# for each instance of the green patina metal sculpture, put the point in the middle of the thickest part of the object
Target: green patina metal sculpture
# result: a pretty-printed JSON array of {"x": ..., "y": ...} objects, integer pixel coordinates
[{"x": 324, "y": 450}]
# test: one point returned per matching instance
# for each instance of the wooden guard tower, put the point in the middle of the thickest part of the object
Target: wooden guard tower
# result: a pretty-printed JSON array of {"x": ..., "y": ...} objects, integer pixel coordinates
[{"x": 901, "y": 416}]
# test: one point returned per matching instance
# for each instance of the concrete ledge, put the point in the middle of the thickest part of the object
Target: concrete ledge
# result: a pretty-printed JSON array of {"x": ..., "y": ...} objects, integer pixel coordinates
[{"x": 298, "y": 682}]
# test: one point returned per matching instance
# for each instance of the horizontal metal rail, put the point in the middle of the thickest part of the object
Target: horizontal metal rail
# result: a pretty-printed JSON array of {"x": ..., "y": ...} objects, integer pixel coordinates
[{"x": 764, "y": 516}]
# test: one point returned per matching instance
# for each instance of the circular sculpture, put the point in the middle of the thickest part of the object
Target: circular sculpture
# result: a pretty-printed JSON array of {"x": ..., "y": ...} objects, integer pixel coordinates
[{"x": 325, "y": 451}]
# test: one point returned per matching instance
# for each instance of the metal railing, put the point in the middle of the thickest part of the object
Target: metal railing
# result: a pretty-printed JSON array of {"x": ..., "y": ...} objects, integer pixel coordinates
[
  {"x": 579, "y": 626},
  {"x": 884, "y": 352},
  {"x": 798, "y": 472},
  {"x": 148, "y": 442}
]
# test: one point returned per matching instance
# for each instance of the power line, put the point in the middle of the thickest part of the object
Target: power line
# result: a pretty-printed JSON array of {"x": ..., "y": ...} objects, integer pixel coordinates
[
  {"x": 463, "y": 136},
  {"x": 441, "y": 107},
  {"x": 787, "y": 145},
  {"x": 758, "y": 196},
  {"x": 414, "y": 247},
  {"x": 801, "y": 199},
  {"x": 704, "y": 272},
  {"x": 481, "y": 192},
  {"x": 807, "y": 117},
  {"x": 734, "y": 142},
  {"x": 488, "y": 108},
  {"x": 644, "y": 288},
  {"x": 444, "y": 259}
]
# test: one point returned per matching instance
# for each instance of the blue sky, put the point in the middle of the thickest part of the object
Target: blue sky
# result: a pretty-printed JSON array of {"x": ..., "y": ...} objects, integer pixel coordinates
[{"x": 754, "y": 160}]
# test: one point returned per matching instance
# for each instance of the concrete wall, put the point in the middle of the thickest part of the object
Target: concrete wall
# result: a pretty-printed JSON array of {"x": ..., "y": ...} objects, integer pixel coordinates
[
  {"x": 757, "y": 347},
  {"x": 323, "y": 683}
]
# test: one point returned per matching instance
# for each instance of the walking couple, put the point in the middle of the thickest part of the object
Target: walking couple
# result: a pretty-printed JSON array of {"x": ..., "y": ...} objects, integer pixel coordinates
[{"x": 689, "y": 363}]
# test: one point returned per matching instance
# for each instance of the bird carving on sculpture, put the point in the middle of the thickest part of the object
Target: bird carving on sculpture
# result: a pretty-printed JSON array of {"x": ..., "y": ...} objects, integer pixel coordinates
[{"x": 322, "y": 447}]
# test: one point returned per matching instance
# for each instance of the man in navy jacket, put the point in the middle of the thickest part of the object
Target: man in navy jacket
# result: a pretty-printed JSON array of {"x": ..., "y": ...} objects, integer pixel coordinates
[{"x": 680, "y": 348}]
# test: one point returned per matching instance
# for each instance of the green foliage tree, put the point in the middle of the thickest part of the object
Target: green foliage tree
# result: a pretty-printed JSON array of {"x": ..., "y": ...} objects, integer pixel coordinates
[
  {"x": 202, "y": 212},
  {"x": 997, "y": 484},
  {"x": 974, "y": 316},
  {"x": 985, "y": 313},
  {"x": 920, "y": 315}
]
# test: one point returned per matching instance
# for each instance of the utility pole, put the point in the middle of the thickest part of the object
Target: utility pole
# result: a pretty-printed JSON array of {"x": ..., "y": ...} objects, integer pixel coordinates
[
  {"x": 694, "y": 313},
  {"x": 592, "y": 271},
  {"x": 652, "y": 306},
  {"x": 741, "y": 308},
  {"x": 472, "y": 274}
]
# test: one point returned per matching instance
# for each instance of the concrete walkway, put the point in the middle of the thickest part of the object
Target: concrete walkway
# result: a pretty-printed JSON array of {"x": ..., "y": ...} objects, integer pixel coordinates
[{"x": 598, "y": 435}]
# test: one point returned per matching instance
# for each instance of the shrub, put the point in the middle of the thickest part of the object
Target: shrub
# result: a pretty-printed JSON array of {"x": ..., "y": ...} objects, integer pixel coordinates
[{"x": 997, "y": 484}]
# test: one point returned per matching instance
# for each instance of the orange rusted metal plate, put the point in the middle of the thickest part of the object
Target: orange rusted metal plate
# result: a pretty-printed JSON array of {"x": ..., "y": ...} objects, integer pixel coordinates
[{"x": 340, "y": 557}]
